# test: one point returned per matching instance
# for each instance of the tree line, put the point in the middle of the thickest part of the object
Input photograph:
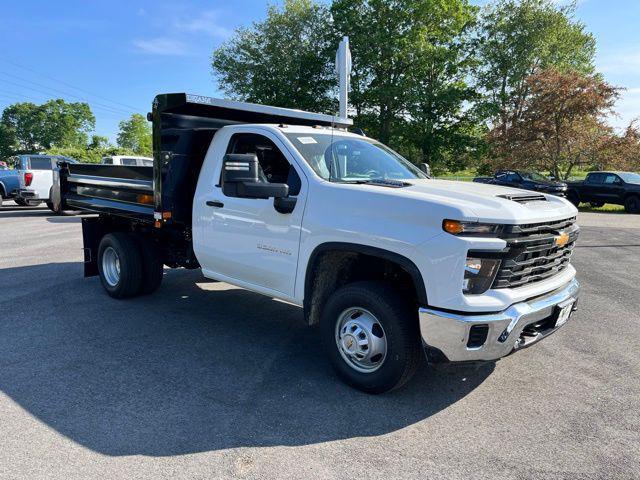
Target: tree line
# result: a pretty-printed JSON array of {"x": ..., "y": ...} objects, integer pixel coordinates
[
  {"x": 64, "y": 128},
  {"x": 441, "y": 81}
]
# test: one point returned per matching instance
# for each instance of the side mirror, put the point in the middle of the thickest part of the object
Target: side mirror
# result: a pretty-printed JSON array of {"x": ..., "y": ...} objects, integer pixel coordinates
[
  {"x": 426, "y": 169},
  {"x": 240, "y": 178}
]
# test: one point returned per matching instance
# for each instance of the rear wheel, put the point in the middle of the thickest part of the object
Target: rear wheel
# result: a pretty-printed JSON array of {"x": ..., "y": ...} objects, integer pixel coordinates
[
  {"x": 371, "y": 336},
  {"x": 20, "y": 201},
  {"x": 632, "y": 204},
  {"x": 52, "y": 206},
  {"x": 120, "y": 265}
]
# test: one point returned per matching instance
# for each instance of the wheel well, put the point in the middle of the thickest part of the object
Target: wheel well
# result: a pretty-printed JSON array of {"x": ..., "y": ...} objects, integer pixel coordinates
[{"x": 332, "y": 266}]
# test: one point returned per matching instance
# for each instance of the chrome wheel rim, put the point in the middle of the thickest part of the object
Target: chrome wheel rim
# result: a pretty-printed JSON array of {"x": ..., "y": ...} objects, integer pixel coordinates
[
  {"x": 111, "y": 266},
  {"x": 361, "y": 340}
]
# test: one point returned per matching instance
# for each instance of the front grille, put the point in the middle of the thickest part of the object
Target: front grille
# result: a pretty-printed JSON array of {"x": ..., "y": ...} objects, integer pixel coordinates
[{"x": 532, "y": 254}]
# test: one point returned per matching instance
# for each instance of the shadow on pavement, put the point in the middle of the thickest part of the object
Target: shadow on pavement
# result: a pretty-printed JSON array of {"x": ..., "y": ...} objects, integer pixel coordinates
[{"x": 197, "y": 366}]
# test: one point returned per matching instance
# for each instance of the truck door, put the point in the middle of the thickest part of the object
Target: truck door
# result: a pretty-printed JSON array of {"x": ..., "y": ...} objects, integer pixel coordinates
[
  {"x": 612, "y": 189},
  {"x": 249, "y": 240},
  {"x": 591, "y": 187}
]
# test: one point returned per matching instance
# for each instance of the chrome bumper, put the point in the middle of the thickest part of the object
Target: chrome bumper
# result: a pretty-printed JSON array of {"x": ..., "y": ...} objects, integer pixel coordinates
[{"x": 449, "y": 332}]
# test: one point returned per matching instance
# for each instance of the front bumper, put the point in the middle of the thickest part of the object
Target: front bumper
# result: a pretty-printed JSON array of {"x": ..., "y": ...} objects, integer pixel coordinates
[{"x": 522, "y": 324}]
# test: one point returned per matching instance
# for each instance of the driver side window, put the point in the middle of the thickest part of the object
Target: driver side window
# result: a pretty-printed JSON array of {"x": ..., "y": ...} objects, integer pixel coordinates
[{"x": 273, "y": 165}]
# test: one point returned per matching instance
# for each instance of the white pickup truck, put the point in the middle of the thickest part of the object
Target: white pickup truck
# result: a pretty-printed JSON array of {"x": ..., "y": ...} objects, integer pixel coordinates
[
  {"x": 392, "y": 265},
  {"x": 36, "y": 177}
]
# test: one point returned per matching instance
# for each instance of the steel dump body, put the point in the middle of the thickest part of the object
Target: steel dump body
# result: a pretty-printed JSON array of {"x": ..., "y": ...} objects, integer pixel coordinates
[{"x": 183, "y": 128}]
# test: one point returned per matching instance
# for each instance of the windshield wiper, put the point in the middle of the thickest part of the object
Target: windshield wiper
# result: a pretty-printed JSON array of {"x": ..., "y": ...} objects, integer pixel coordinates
[{"x": 377, "y": 181}]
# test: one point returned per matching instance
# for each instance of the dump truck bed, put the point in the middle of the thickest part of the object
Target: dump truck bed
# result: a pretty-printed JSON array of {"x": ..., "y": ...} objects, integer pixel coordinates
[{"x": 183, "y": 127}]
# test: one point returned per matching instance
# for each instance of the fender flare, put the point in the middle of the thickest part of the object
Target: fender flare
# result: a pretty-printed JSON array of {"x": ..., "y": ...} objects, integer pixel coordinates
[{"x": 404, "y": 262}]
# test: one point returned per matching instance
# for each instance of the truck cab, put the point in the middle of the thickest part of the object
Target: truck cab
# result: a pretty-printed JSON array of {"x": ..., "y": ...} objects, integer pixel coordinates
[
  {"x": 598, "y": 188},
  {"x": 392, "y": 265}
]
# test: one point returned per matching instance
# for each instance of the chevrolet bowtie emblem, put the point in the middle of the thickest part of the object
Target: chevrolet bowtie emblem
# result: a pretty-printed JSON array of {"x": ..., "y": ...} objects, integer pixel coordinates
[{"x": 562, "y": 239}]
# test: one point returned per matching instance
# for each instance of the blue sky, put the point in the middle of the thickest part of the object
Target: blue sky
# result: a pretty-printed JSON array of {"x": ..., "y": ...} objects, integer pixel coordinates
[{"x": 117, "y": 55}]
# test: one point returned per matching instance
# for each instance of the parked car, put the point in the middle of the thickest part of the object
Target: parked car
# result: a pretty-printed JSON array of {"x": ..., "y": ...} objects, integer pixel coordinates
[
  {"x": 525, "y": 180},
  {"x": 36, "y": 177},
  {"x": 598, "y": 188},
  {"x": 127, "y": 160},
  {"x": 391, "y": 264},
  {"x": 9, "y": 183}
]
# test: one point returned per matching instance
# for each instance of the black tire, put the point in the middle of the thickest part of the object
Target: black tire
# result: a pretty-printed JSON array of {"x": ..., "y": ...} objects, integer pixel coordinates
[
  {"x": 400, "y": 327},
  {"x": 20, "y": 201},
  {"x": 632, "y": 204},
  {"x": 596, "y": 204},
  {"x": 51, "y": 206},
  {"x": 1, "y": 199},
  {"x": 130, "y": 262},
  {"x": 573, "y": 198},
  {"x": 152, "y": 266}
]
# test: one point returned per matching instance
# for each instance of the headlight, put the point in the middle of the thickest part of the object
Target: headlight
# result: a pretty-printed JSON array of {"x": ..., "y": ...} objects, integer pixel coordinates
[
  {"x": 479, "y": 274},
  {"x": 455, "y": 227}
]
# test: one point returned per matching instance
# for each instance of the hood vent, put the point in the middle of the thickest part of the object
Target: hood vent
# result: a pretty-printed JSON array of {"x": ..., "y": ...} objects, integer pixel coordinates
[{"x": 519, "y": 198}]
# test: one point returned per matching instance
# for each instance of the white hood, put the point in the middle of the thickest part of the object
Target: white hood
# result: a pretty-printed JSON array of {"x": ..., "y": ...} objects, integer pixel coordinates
[{"x": 483, "y": 201}]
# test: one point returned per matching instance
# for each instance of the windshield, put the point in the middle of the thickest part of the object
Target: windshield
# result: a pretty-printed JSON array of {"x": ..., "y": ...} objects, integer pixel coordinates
[
  {"x": 341, "y": 158},
  {"x": 534, "y": 176},
  {"x": 630, "y": 177}
]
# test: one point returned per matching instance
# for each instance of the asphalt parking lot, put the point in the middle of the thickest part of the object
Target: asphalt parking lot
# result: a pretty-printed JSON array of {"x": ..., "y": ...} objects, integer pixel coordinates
[{"x": 203, "y": 380}]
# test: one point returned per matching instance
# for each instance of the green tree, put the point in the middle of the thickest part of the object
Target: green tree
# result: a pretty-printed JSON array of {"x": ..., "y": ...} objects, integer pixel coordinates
[
  {"x": 135, "y": 135},
  {"x": 562, "y": 124},
  {"x": 98, "y": 142},
  {"x": 516, "y": 39},
  {"x": 411, "y": 64},
  {"x": 284, "y": 60},
  {"x": 28, "y": 127}
]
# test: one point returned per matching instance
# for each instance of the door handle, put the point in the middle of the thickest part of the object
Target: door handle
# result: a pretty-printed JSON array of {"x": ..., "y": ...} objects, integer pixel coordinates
[{"x": 215, "y": 203}]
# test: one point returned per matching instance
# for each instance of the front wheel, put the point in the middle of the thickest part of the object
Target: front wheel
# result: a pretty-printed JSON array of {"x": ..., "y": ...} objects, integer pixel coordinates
[
  {"x": 371, "y": 336},
  {"x": 20, "y": 201},
  {"x": 632, "y": 204}
]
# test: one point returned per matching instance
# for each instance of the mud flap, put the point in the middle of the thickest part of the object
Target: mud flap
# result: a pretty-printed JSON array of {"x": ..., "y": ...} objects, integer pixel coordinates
[{"x": 92, "y": 233}]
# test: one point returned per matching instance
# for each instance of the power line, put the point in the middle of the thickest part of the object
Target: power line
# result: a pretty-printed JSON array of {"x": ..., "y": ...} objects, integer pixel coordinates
[
  {"x": 67, "y": 84},
  {"x": 97, "y": 107},
  {"x": 46, "y": 96},
  {"x": 114, "y": 109}
]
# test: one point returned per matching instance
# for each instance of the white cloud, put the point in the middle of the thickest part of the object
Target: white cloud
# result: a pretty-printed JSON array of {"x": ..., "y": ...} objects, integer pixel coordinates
[
  {"x": 160, "y": 46},
  {"x": 624, "y": 62},
  {"x": 207, "y": 23}
]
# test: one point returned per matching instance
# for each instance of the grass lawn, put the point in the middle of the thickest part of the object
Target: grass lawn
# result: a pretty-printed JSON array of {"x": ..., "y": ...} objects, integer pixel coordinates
[{"x": 606, "y": 208}]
